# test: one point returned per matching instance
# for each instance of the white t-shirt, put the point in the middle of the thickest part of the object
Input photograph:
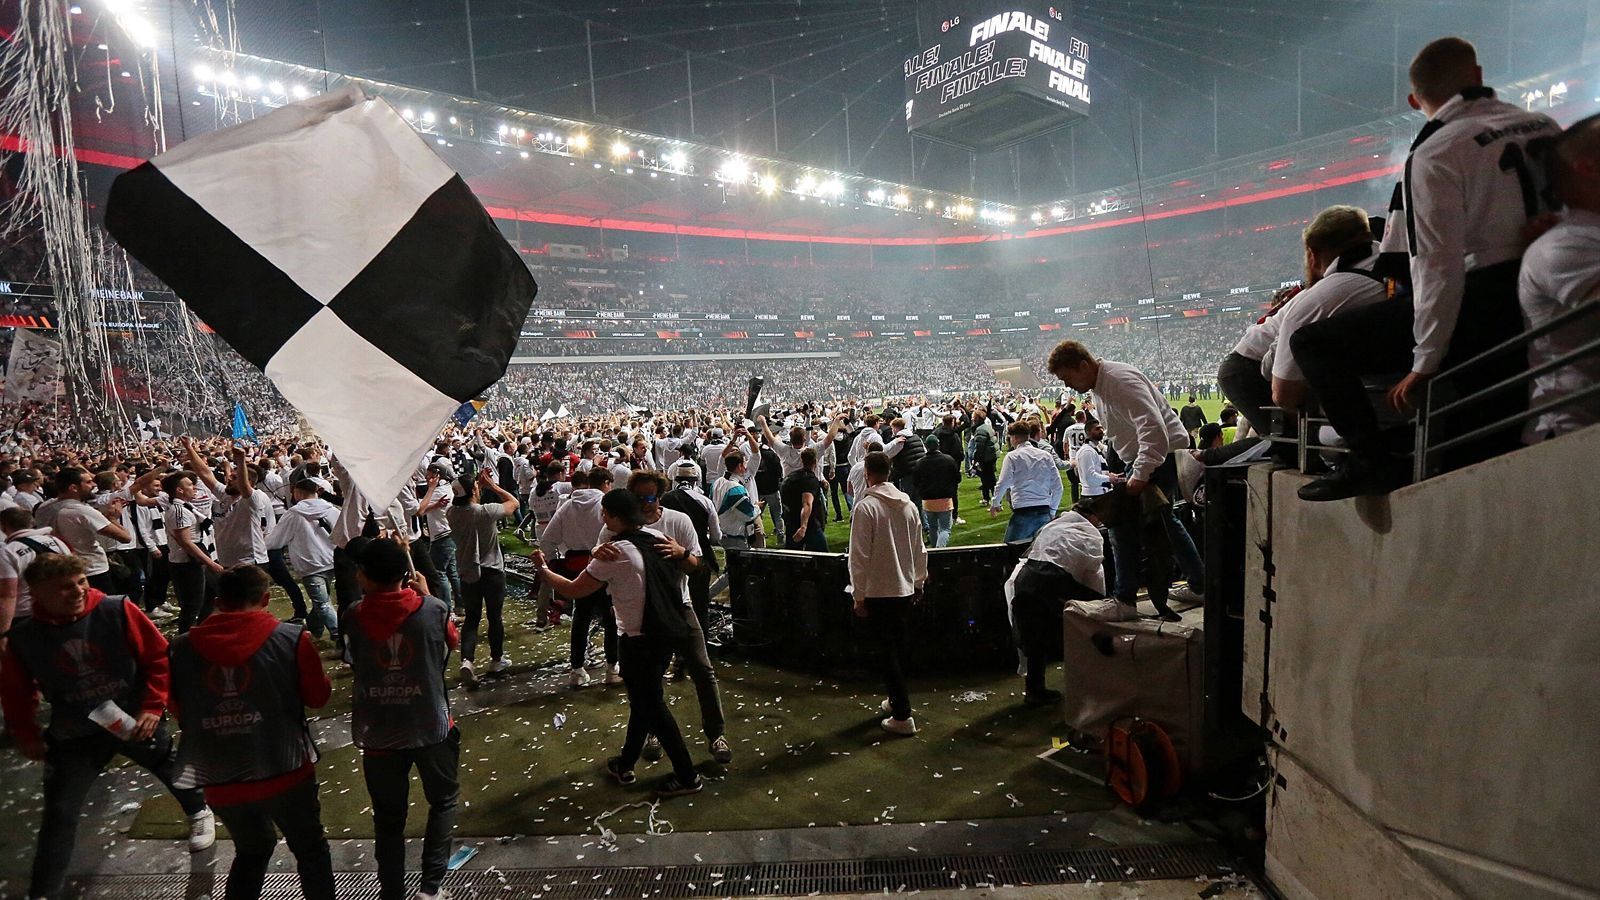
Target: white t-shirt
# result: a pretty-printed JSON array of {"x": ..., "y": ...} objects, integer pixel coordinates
[
  {"x": 624, "y": 581},
  {"x": 242, "y": 530},
  {"x": 181, "y": 517},
  {"x": 16, "y": 556},
  {"x": 675, "y": 525},
  {"x": 79, "y": 525},
  {"x": 438, "y": 525}
]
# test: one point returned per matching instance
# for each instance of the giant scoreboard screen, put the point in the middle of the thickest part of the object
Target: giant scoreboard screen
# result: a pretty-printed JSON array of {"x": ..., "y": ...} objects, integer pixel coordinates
[{"x": 993, "y": 73}]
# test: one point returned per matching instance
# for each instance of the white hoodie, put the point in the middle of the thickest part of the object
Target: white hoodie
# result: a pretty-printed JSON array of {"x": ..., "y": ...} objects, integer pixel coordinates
[
  {"x": 887, "y": 556},
  {"x": 306, "y": 530},
  {"x": 576, "y": 524}
]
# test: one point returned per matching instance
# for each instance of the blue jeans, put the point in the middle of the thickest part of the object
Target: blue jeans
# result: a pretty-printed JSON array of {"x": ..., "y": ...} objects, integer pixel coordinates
[
  {"x": 939, "y": 526},
  {"x": 1128, "y": 551},
  {"x": 321, "y": 612},
  {"x": 1026, "y": 522},
  {"x": 443, "y": 551}
]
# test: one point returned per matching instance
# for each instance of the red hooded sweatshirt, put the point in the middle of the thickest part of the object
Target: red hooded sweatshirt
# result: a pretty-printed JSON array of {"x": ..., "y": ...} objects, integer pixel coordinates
[
  {"x": 231, "y": 639},
  {"x": 380, "y": 615},
  {"x": 19, "y": 690}
]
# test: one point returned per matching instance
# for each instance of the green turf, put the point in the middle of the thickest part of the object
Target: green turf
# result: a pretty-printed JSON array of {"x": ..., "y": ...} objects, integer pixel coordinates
[{"x": 808, "y": 751}]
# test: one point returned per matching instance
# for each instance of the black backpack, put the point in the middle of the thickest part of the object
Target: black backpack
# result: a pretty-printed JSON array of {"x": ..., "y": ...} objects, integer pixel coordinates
[
  {"x": 663, "y": 600},
  {"x": 678, "y": 499}
]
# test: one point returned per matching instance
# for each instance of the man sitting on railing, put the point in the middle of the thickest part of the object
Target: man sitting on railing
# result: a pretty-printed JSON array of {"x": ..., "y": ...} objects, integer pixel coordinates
[
  {"x": 1468, "y": 198},
  {"x": 1560, "y": 273}
]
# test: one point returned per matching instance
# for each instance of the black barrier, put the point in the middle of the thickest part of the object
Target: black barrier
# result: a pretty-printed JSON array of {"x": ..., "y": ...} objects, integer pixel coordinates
[{"x": 795, "y": 611}]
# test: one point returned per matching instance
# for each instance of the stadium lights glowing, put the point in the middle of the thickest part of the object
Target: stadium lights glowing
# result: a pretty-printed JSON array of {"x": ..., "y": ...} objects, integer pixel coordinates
[
  {"x": 928, "y": 205},
  {"x": 504, "y": 128},
  {"x": 300, "y": 92},
  {"x": 410, "y": 115},
  {"x": 202, "y": 72},
  {"x": 806, "y": 184},
  {"x": 833, "y": 188},
  {"x": 769, "y": 185},
  {"x": 876, "y": 195},
  {"x": 228, "y": 79},
  {"x": 275, "y": 87},
  {"x": 1057, "y": 212},
  {"x": 734, "y": 170},
  {"x": 676, "y": 160},
  {"x": 454, "y": 121},
  {"x": 579, "y": 141},
  {"x": 428, "y": 117},
  {"x": 252, "y": 83},
  {"x": 619, "y": 149},
  {"x": 902, "y": 200}
]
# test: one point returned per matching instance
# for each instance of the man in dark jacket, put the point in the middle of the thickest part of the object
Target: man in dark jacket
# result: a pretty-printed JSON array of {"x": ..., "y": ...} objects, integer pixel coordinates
[
  {"x": 936, "y": 479},
  {"x": 950, "y": 444}
]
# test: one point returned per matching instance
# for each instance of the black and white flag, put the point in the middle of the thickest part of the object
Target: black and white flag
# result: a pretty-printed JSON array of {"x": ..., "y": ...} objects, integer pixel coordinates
[{"x": 331, "y": 247}]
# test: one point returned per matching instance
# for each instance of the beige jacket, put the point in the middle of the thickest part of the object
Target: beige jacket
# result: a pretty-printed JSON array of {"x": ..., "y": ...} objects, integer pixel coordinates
[{"x": 887, "y": 557}]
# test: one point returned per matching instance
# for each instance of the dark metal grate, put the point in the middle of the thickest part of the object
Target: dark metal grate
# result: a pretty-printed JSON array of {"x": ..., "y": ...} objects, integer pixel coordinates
[{"x": 909, "y": 873}]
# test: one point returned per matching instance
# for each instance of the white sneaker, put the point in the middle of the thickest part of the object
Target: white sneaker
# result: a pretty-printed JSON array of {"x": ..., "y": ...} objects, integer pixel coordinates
[
  {"x": 886, "y": 707},
  {"x": 613, "y": 674},
  {"x": 960, "y": 521},
  {"x": 441, "y": 894},
  {"x": 580, "y": 678},
  {"x": 905, "y": 727},
  {"x": 1185, "y": 594},
  {"x": 499, "y": 664},
  {"x": 202, "y": 830},
  {"x": 469, "y": 676}
]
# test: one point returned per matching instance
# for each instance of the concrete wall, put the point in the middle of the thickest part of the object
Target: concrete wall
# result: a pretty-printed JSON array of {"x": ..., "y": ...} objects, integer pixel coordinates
[{"x": 1432, "y": 665}]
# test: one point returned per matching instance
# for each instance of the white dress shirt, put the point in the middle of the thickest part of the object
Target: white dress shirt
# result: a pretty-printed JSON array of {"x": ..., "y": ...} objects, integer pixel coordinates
[
  {"x": 1334, "y": 293},
  {"x": 1561, "y": 272},
  {"x": 1092, "y": 470},
  {"x": 1030, "y": 474},
  {"x": 1141, "y": 424}
]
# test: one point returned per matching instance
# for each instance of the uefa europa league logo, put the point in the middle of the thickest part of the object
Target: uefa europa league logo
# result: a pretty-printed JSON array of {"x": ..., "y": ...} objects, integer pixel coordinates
[
  {"x": 227, "y": 681},
  {"x": 395, "y": 653},
  {"x": 78, "y": 657}
]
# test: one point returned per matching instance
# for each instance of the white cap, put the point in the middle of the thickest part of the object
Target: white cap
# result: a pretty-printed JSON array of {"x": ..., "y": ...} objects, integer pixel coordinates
[{"x": 684, "y": 470}]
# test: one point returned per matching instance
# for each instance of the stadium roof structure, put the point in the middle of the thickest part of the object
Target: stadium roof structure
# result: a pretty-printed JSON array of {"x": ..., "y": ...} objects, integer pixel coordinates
[{"x": 534, "y": 167}]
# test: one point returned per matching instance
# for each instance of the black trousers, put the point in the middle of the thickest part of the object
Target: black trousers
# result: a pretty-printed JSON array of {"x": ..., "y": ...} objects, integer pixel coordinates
[
  {"x": 1039, "y": 626},
  {"x": 1335, "y": 354},
  {"x": 196, "y": 587},
  {"x": 254, "y": 827},
  {"x": 70, "y": 770},
  {"x": 155, "y": 589},
  {"x": 136, "y": 563},
  {"x": 278, "y": 568},
  {"x": 833, "y": 488},
  {"x": 584, "y": 612},
  {"x": 643, "y": 663},
  {"x": 422, "y": 561},
  {"x": 886, "y": 620},
  {"x": 1247, "y": 389},
  {"x": 103, "y": 582},
  {"x": 346, "y": 591},
  {"x": 388, "y": 777},
  {"x": 487, "y": 595},
  {"x": 985, "y": 479}
]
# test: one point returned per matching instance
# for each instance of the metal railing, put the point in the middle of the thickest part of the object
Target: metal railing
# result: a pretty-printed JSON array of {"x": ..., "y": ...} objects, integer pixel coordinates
[{"x": 1434, "y": 407}]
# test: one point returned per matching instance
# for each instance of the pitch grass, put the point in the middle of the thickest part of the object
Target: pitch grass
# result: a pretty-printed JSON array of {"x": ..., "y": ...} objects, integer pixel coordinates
[{"x": 808, "y": 751}]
